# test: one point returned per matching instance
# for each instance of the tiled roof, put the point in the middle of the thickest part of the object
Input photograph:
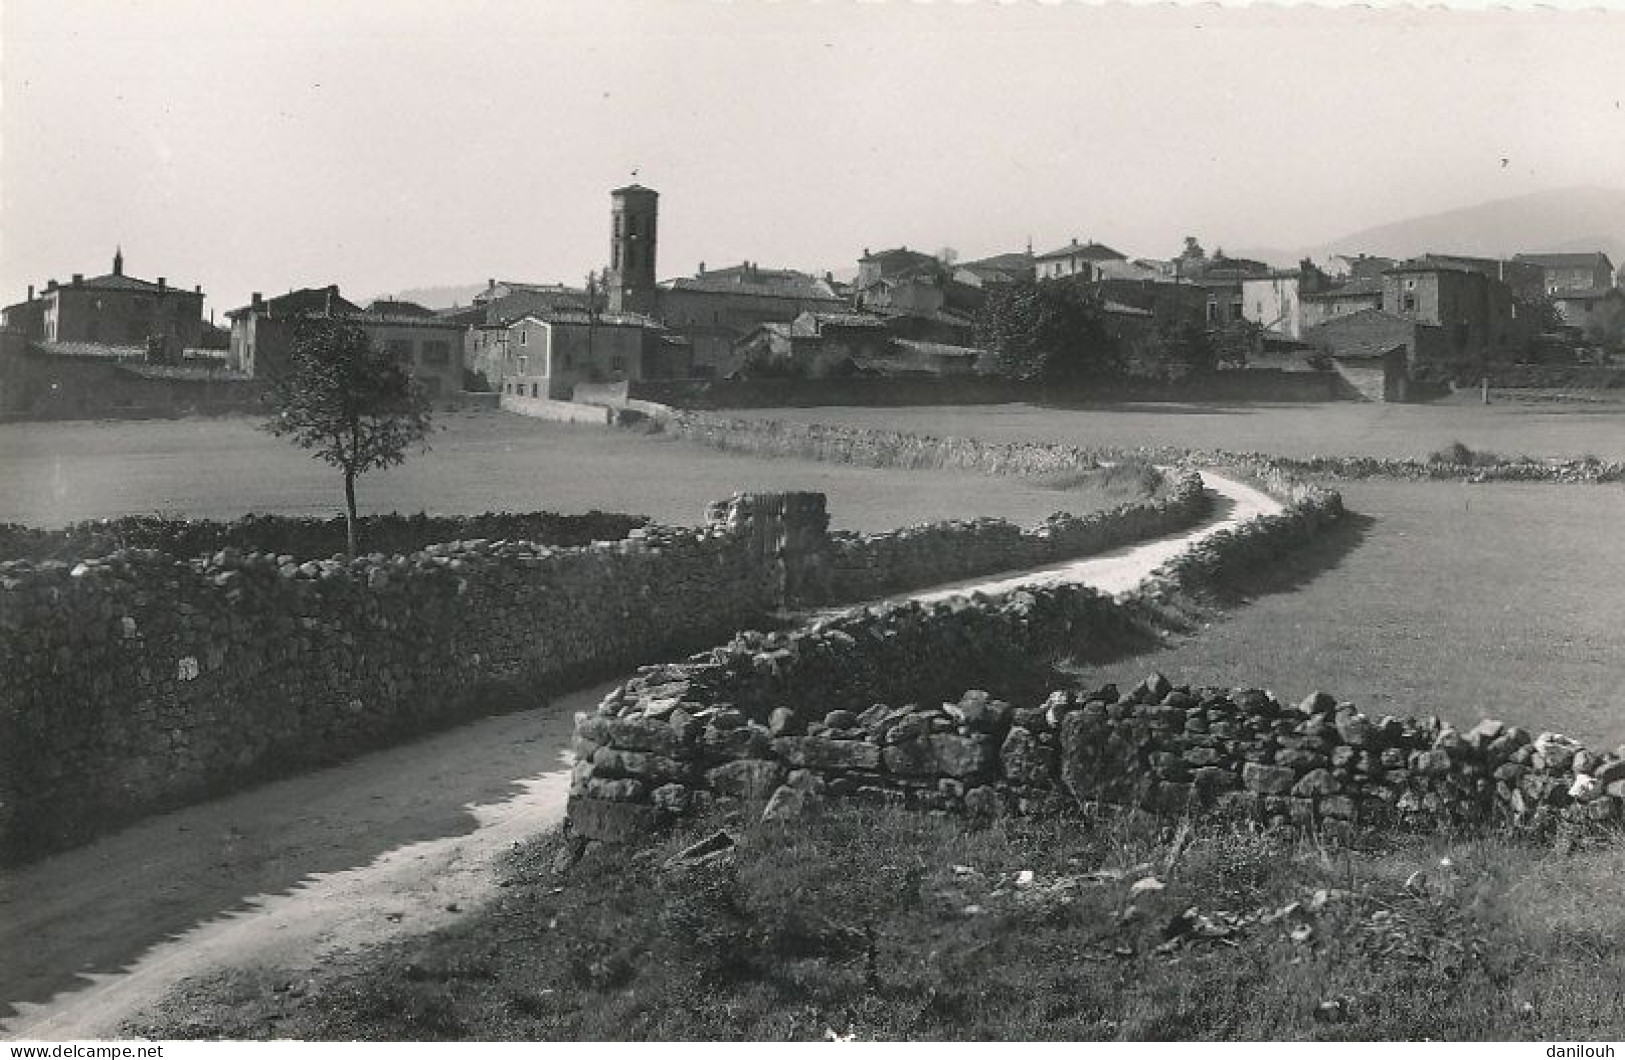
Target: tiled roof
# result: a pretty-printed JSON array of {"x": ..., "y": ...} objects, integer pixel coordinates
[
  {"x": 1364, "y": 287},
  {"x": 567, "y": 315},
  {"x": 297, "y": 303},
  {"x": 1090, "y": 251},
  {"x": 1566, "y": 261},
  {"x": 1590, "y": 295},
  {"x": 116, "y": 282},
  {"x": 773, "y": 283},
  {"x": 850, "y": 320},
  {"x": 404, "y": 320}
]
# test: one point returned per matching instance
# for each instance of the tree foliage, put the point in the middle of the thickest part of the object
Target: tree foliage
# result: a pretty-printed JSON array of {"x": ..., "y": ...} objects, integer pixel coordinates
[
  {"x": 1050, "y": 331},
  {"x": 355, "y": 406}
]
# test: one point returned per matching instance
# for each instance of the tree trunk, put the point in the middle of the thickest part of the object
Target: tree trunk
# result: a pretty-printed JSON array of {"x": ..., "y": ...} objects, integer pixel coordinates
[{"x": 349, "y": 511}]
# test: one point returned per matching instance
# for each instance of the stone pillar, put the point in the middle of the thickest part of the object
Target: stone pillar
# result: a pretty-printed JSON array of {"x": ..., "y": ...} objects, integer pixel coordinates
[{"x": 786, "y": 535}]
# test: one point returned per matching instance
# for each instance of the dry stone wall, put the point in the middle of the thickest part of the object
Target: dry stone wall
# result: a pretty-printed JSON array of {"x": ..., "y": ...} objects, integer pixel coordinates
[
  {"x": 1239, "y": 752},
  {"x": 138, "y": 680},
  {"x": 864, "y": 566}
]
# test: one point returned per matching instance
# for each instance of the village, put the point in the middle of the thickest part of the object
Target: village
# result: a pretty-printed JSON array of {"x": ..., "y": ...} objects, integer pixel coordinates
[{"x": 1352, "y": 326}]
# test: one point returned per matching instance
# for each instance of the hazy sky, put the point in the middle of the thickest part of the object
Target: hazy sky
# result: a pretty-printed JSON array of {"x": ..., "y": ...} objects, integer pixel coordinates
[{"x": 383, "y": 145}]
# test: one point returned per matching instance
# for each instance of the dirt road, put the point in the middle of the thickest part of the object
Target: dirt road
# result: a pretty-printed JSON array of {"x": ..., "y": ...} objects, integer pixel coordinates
[{"x": 393, "y": 843}]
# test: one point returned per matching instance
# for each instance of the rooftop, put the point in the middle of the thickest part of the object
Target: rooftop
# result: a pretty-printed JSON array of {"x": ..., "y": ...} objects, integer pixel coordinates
[
  {"x": 1090, "y": 251},
  {"x": 1589, "y": 260}
]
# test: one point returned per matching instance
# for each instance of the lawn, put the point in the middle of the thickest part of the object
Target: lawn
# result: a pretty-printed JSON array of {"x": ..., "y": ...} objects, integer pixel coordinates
[
  {"x": 1338, "y": 429},
  {"x": 1503, "y": 601},
  {"x": 54, "y": 473},
  {"x": 897, "y": 925}
]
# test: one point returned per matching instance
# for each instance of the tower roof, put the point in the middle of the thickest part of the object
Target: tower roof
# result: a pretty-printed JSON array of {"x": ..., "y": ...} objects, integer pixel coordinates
[{"x": 634, "y": 189}]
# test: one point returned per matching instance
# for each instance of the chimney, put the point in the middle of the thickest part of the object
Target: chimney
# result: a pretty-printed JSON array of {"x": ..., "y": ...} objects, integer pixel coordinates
[
  {"x": 865, "y": 251},
  {"x": 197, "y": 288},
  {"x": 78, "y": 279},
  {"x": 1074, "y": 240},
  {"x": 702, "y": 268},
  {"x": 118, "y": 261},
  {"x": 30, "y": 292},
  {"x": 50, "y": 285},
  {"x": 257, "y": 301},
  {"x": 163, "y": 284}
]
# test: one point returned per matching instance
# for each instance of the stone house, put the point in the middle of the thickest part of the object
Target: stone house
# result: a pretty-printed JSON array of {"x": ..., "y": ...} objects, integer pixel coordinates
[
  {"x": 1075, "y": 259},
  {"x": 1275, "y": 302},
  {"x": 900, "y": 263},
  {"x": 1375, "y": 333},
  {"x": 262, "y": 330},
  {"x": 1351, "y": 297},
  {"x": 1599, "y": 313},
  {"x": 1379, "y": 375},
  {"x": 1571, "y": 272},
  {"x": 1476, "y": 313},
  {"x": 548, "y": 354},
  {"x": 114, "y": 309},
  {"x": 430, "y": 347},
  {"x": 816, "y": 345}
]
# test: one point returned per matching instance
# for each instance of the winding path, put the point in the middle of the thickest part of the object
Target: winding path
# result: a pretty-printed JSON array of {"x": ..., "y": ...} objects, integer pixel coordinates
[{"x": 393, "y": 843}]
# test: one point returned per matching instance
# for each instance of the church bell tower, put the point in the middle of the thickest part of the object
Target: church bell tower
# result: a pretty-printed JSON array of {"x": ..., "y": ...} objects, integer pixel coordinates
[{"x": 634, "y": 212}]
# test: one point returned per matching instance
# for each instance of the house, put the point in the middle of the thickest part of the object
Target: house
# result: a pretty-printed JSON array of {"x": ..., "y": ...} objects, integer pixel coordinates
[
  {"x": 1378, "y": 375},
  {"x": 1075, "y": 259},
  {"x": 1275, "y": 301},
  {"x": 899, "y": 264},
  {"x": 815, "y": 344},
  {"x": 114, "y": 309},
  {"x": 1376, "y": 333},
  {"x": 1333, "y": 302},
  {"x": 1478, "y": 315},
  {"x": 1598, "y": 313},
  {"x": 1526, "y": 281},
  {"x": 996, "y": 270},
  {"x": 549, "y": 353},
  {"x": 1358, "y": 266},
  {"x": 430, "y": 347},
  {"x": 1571, "y": 272},
  {"x": 262, "y": 330}
]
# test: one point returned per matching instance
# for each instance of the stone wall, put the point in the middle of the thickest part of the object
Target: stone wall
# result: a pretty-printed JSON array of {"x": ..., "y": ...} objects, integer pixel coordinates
[
  {"x": 867, "y": 566},
  {"x": 139, "y": 680},
  {"x": 306, "y": 537},
  {"x": 850, "y": 705},
  {"x": 1175, "y": 750}
]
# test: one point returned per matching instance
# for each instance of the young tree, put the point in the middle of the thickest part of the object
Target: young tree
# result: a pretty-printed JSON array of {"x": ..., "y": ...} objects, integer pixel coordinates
[{"x": 352, "y": 403}]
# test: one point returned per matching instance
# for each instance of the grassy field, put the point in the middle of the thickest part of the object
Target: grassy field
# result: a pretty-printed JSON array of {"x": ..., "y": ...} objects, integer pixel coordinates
[
  {"x": 1339, "y": 429},
  {"x": 893, "y": 925},
  {"x": 54, "y": 473},
  {"x": 1503, "y": 601}
]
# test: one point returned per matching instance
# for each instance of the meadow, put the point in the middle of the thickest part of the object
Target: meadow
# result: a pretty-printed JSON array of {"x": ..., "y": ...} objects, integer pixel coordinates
[
  {"x": 1337, "y": 429},
  {"x": 222, "y": 468},
  {"x": 1467, "y": 601}
]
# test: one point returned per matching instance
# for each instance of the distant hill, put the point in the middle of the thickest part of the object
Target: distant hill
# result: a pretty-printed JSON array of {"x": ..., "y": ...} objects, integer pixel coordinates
[{"x": 1564, "y": 219}]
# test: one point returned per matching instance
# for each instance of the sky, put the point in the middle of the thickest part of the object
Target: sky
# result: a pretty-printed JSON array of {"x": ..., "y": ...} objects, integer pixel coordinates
[{"x": 261, "y": 146}]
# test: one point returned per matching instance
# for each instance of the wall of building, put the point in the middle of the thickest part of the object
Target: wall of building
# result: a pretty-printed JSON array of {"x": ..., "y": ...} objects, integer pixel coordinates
[
  {"x": 39, "y": 385},
  {"x": 1317, "y": 311},
  {"x": 1272, "y": 303},
  {"x": 431, "y": 352},
  {"x": 119, "y": 317}
]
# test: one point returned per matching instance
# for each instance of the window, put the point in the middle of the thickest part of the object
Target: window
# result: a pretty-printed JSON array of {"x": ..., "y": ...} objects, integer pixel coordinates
[
  {"x": 400, "y": 349},
  {"x": 524, "y": 336},
  {"x": 535, "y": 390},
  {"x": 436, "y": 351},
  {"x": 524, "y": 365},
  {"x": 618, "y": 363}
]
